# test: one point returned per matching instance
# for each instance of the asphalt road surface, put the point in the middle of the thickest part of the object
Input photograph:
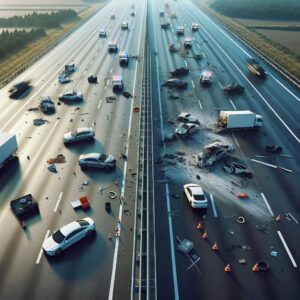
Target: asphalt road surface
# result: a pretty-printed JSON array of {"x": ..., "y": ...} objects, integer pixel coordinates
[
  {"x": 272, "y": 191},
  {"x": 100, "y": 268},
  {"x": 91, "y": 269}
]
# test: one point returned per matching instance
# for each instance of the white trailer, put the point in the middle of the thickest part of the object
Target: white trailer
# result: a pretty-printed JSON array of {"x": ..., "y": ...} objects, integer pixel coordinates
[
  {"x": 242, "y": 119},
  {"x": 8, "y": 147}
]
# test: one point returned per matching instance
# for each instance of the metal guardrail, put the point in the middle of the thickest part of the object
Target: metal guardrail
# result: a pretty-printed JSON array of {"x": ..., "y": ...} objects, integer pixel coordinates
[
  {"x": 8, "y": 77},
  {"x": 144, "y": 283},
  {"x": 282, "y": 71}
]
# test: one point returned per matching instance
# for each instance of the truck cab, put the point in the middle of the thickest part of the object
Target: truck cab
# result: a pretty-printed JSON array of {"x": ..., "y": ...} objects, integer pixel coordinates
[
  {"x": 123, "y": 58},
  {"x": 117, "y": 83},
  {"x": 112, "y": 46},
  {"x": 187, "y": 42}
]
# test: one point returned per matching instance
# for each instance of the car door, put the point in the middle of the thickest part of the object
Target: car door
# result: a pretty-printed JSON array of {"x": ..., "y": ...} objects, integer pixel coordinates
[
  {"x": 80, "y": 136},
  {"x": 189, "y": 194},
  {"x": 74, "y": 237}
]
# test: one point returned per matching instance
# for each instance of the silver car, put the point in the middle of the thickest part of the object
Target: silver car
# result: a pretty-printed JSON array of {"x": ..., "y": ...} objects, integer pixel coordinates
[
  {"x": 97, "y": 160},
  {"x": 68, "y": 235},
  {"x": 187, "y": 118},
  {"x": 80, "y": 134},
  {"x": 185, "y": 129},
  {"x": 71, "y": 96}
]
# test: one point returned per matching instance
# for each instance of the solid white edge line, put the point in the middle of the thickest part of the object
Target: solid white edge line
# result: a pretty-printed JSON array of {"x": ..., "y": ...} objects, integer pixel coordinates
[
  {"x": 115, "y": 258},
  {"x": 193, "y": 84},
  {"x": 235, "y": 139},
  {"x": 58, "y": 201},
  {"x": 185, "y": 63},
  {"x": 41, "y": 250},
  {"x": 213, "y": 205},
  {"x": 264, "y": 163},
  {"x": 287, "y": 249},
  {"x": 200, "y": 104},
  {"x": 100, "y": 101},
  {"x": 267, "y": 204},
  {"x": 171, "y": 236},
  {"x": 232, "y": 104}
]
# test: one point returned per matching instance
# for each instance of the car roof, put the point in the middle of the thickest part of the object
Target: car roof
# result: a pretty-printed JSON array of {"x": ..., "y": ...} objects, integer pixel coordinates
[
  {"x": 206, "y": 74},
  {"x": 85, "y": 129},
  {"x": 112, "y": 42},
  {"x": 67, "y": 229},
  {"x": 92, "y": 155},
  {"x": 196, "y": 189},
  {"x": 121, "y": 53},
  {"x": 117, "y": 78}
]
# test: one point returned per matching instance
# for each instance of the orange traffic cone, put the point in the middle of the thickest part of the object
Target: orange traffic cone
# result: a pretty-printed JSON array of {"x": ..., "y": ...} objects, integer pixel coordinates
[
  {"x": 205, "y": 235},
  {"x": 227, "y": 268},
  {"x": 199, "y": 226},
  {"x": 117, "y": 234},
  {"x": 215, "y": 246},
  {"x": 242, "y": 196},
  {"x": 278, "y": 218},
  {"x": 255, "y": 268}
]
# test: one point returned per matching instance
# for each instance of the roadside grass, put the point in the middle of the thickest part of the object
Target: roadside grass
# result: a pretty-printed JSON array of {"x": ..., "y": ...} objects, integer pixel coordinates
[
  {"x": 18, "y": 60},
  {"x": 280, "y": 54}
]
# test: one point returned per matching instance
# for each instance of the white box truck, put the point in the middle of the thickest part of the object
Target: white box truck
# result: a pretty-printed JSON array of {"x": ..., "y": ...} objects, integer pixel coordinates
[
  {"x": 8, "y": 147},
  {"x": 239, "y": 119}
]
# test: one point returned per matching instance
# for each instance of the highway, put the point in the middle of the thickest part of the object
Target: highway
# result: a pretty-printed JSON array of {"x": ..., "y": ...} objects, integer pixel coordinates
[
  {"x": 95, "y": 269},
  {"x": 272, "y": 191},
  {"x": 150, "y": 211}
]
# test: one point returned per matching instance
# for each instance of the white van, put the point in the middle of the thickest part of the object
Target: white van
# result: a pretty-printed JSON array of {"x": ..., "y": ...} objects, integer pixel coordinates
[
  {"x": 187, "y": 42},
  {"x": 112, "y": 46}
]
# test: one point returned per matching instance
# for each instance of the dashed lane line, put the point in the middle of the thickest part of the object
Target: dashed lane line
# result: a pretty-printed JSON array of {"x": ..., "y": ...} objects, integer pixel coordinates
[
  {"x": 267, "y": 204},
  {"x": 58, "y": 202},
  {"x": 287, "y": 249},
  {"x": 41, "y": 250},
  {"x": 213, "y": 205},
  {"x": 232, "y": 104}
]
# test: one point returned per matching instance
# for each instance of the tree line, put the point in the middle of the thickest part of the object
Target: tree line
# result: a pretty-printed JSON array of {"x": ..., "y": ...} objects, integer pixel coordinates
[
  {"x": 12, "y": 41},
  {"x": 258, "y": 9},
  {"x": 40, "y": 20}
]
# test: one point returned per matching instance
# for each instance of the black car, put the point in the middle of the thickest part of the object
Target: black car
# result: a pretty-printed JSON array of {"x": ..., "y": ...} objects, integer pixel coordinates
[
  {"x": 165, "y": 25},
  {"x": 256, "y": 69},
  {"x": 19, "y": 89},
  {"x": 179, "y": 71},
  {"x": 175, "y": 83},
  {"x": 233, "y": 88},
  {"x": 47, "y": 105}
]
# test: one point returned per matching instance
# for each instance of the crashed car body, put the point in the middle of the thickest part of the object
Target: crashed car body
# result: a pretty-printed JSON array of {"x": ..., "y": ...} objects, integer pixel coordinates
[
  {"x": 92, "y": 79},
  {"x": 63, "y": 78},
  {"x": 187, "y": 118},
  {"x": 97, "y": 160},
  {"x": 195, "y": 195},
  {"x": 71, "y": 96},
  {"x": 70, "y": 68},
  {"x": 19, "y": 88},
  {"x": 176, "y": 83},
  {"x": 233, "y": 88},
  {"x": 214, "y": 152},
  {"x": 80, "y": 134},
  {"x": 179, "y": 71},
  {"x": 102, "y": 33},
  {"x": 165, "y": 25},
  {"x": 234, "y": 166},
  {"x": 195, "y": 26},
  {"x": 47, "y": 105},
  {"x": 185, "y": 129}
]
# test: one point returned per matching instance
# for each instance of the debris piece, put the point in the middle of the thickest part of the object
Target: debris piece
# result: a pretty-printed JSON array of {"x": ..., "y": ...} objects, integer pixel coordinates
[
  {"x": 109, "y": 236},
  {"x": 107, "y": 206},
  {"x": 230, "y": 231},
  {"x": 179, "y": 152},
  {"x": 213, "y": 152},
  {"x": 198, "y": 177},
  {"x": 82, "y": 202},
  {"x": 110, "y": 98},
  {"x": 52, "y": 168},
  {"x": 169, "y": 156},
  {"x": 39, "y": 122},
  {"x": 227, "y": 268},
  {"x": 127, "y": 94},
  {"x": 112, "y": 194},
  {"x": 273, "y": 149},
  {"x": 92, "y": 79},
  {"x": 86, "y": 183},
  {"x": 136, "y": 109},
  {"x": 242, "y": 261},
  {"x": 235, "y": 166},
  {"x": 240, "y": 220},
  {"x": 59, "y": 159},
  {"x": 185, "y": 246},
  {"x": 245, "y": 247},
  {"x": 263, "y": 266},
  {"x": 170, "y": 121},
  {"x": 174, "y": 97},
  {"x": 274, "y": 253}
]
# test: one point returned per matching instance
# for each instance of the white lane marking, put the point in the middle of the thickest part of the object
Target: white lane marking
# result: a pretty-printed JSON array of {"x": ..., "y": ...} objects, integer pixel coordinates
[
  {"x": 193, "y": 84},
  {"x": 221, "y": 86},
  {"x": 232, "y": 104},
  {"x": 58, "y": 202},
  {"x": 114, "y": 266},
  {"x": 185, "y": 63},
  {"x": 287, "y": 249},
  {"x": 100, "y": 101},
  {"x": 199, "y": 46},
  {"x": 293, "y": 218},
  {"x": 255, "y": 89},
  {"x": 175, "y": 282},
  {"x": 235, "y": 139},
  {"x": 41, "y": 250},
  {"x": 77, "y": 85},
  {"x": 200, "y": 104},
  {"x": 213, "y": 205},
  {"x": 264, "y": 163},
  {"x": 171, "y": 236},
  {"x": 267, "y": 204},
  {"x": 290, "y": 92}
]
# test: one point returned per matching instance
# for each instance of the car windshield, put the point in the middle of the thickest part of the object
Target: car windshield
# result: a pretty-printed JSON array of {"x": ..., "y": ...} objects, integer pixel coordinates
[
  {"x": 83, "y": 223},
  {"x": 199, "y": 197},
  {"x": 58, "y": 237}
]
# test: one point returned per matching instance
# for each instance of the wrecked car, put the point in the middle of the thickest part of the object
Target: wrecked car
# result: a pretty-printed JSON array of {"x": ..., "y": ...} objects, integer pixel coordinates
[
  {"x": 234, "y": 166},
  {"x": 179, "y": 71},
  {"x": 92, "y": 79},
  {"x": 47, "y": 105},
  {"x": 80, "y": 134},
  {"x": 187, "y": 118},
  {"x": 175, "y": 83},
  {"x": 273, "y": 149},
  {"x": 18, "y": 89},
  {"x": 70, "y": 68},
  {"x": 213, "y": 152},
  {"x": 233, "y": 88},
  {"x": 185, "y": 129},
  {"x": 63, "y": 78},
  {"x": 97, "y": 160},
  {"x": 71, "y": 96}
]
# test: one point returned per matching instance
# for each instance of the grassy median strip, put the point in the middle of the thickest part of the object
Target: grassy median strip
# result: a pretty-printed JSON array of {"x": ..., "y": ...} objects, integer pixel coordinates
[
  {"x": 280, "y": 54},
  {"x": 17, "y": 61}
]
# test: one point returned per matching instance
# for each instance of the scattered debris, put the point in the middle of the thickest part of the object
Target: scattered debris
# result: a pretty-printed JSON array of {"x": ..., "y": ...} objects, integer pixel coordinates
[
  {"x": 230, "y": 231},
  {"x": 33, "y": 109},
  {"x": 234, "y": 166},
  {"x": 242, "y": 196},
  {"x": 112, "y": 194},
  {"x": 179, "y": 152},
  {"x": 92, "y": 79},
  {"x": 52, "y": 168},
  {"x": 124, "y": 156},
  {"x": 86, "y": 183},
  {"x": 274, "y": 253},
  {"x": 82, "y": 202},
  {"x": 109, "y": 99},
  {"x": 127, "y": 95},
  {"x": 59, "y": 159},
  {"x": 39, "y": 122},
  {"x": 213, "y": 152},
  {"x": 273, "y": 149},
  {"x": 107, "y": 206},
  {"x": 136, "y": 109},
  {"x": 174, "y": 96},
  {"x": 240, "y": 220},
  {"x": 263, "y": 266},
  {"x": 242, "y": 261},
  {"x": 185, "y": 246}
]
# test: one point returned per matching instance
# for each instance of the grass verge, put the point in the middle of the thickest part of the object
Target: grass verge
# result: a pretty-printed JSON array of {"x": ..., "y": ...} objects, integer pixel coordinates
[
  {"x": 19, "y": 61},
  {"x": 278, "y": 53}
]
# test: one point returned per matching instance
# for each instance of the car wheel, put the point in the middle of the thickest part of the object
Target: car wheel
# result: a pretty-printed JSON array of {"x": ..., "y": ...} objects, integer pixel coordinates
[
  {"x": 58, "y": 251},
  {"x": 89, "y": 233}
]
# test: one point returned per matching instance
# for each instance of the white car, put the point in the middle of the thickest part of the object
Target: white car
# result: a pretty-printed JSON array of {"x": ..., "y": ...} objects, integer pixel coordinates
[
  {"x": 97, "y": 160},
  {"x": 68, "y": 235},
  {"x": 195, "y": 195},
  {"x": 195, "y": 26},
  {"x": 63, "y": 78},
  {"x": 185, "y": 129},
  {"x": 80, "y": 134},
  {"x": 187, "y": 118},
  {"x": 102, "y": 33},
  {"x": 124, "y": 25},
  {"x": 205, "y": 78},
  {"x": 71, "y": 96},
  {"x": 180, "y": 30}
]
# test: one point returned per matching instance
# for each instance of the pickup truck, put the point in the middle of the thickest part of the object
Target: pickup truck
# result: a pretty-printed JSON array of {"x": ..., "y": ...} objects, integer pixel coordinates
[{"x": 8, "y": 147}]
